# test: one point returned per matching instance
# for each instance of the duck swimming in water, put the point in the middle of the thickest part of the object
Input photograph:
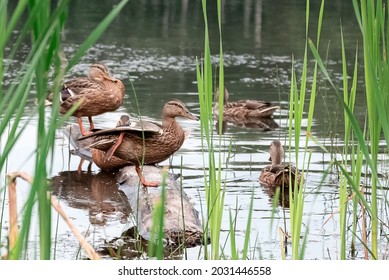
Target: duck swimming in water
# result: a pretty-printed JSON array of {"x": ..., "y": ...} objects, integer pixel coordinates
[
  {"x": 279, "y": 173},
  {"x": 243, "y": 109}
]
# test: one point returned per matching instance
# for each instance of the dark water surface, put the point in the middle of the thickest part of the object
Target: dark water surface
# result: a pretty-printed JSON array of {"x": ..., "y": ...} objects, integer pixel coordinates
[{"x": 152, "y": 47}]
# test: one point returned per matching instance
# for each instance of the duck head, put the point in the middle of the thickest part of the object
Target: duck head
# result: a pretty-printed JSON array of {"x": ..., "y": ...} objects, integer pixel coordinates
[
  {"x": 276, "y": 152},
  {"x": 175, "y": 108},
  {"x": 226, "y": 95}
]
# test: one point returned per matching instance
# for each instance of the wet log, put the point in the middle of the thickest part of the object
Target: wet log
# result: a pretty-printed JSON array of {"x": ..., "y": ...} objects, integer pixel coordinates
[
  {"x": 181, "y": 220},
  {"x": 182, "y": 225}
]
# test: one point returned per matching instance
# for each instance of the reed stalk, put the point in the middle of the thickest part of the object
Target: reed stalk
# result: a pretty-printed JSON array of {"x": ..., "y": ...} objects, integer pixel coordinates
[
  {"x": 373, "y": 20},
  {"x": 371, "y": 16},
  {"x": 296, "y": 109},
  {"x": 156, "y": 242},
  {"x": 214, "y": 188},
  {"x": 351, "y": 156},
  {"x": 42, "y": 66},
  {"x": 212, "y": 177}
]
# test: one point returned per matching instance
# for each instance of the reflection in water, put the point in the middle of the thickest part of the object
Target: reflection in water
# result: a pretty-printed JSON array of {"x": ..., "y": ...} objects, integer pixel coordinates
[
  {"x": 106, "y": 203},
  {"x": 96, "y": 193},
  {"x": 263, "y": 124},
  {"x": 132, "y": 246},
  {"x": 281, "y": 193},
  {"x": 100, "y": 196}
]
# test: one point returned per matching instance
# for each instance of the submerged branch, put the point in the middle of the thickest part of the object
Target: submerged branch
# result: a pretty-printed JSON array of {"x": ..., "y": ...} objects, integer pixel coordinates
[{"x": 13, "y": 230}]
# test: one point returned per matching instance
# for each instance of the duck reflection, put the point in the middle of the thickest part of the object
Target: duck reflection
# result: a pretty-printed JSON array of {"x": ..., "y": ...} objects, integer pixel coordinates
[
  {"x": 281, "y": 194},
  {"x": 97, "y": 193},
  {"x": 263, "y": 124}
]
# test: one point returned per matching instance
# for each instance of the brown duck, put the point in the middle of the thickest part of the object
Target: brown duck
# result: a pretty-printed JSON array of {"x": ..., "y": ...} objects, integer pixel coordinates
[
  {"x": 279, "y": 173},
  {"x": 105, "y": 159},
  {"x": 96, "y": 94},
  {"x": 141, "y": 142},
  {"x": 243, "y": 109}
]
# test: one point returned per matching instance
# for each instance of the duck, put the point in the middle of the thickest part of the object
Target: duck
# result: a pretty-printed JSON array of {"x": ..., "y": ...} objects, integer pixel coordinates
[
  {"x": 279, "y": 174},
  {"x": 143, "y": 142},
  {"x": 95, "y": 94},
  {"x": 243, "y": 109},
  {"x": 105, "y": 160}
]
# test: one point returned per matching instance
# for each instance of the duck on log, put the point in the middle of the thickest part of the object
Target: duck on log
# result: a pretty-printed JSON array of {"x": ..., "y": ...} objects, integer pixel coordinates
[{"x": 181, "y": 220}]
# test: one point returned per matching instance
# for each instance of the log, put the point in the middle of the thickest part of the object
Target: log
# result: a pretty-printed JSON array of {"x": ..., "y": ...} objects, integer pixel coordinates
[{"x": 181, "y": 221}]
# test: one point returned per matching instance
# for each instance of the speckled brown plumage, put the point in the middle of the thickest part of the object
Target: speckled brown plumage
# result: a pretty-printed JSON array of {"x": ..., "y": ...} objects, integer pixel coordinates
[
  {"x": 149, "y": 146},
  {"x": 279, "y": 173},
  {"x": 96, "y": 94},
  {"x": 113, "y": 163},
  {"x": 242, "y": 109}
]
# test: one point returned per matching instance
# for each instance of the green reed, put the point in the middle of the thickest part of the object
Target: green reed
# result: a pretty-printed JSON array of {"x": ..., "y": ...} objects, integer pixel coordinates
[
  {"x": 296, "y": 109},
  {"x": 43, "y": 66},
  {"x": 363, "y": 145},
  {"x": 212, "y": 180},
  {"x": 214, "y": 188},
  {"x": 355, "y": 154},
  {"x": 156, "y": 242},
  {"x": 373, "y": 20},
  {"x": 232, "y": 223}
]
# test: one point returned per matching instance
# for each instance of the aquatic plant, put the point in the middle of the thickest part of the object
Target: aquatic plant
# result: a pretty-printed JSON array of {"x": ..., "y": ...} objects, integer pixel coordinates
[
  {"x": 362, "y": 144},
  {"x": 44, "y": 65},
  {"x": 212, "y": 177},
  {"x": 296, "y": 108}
]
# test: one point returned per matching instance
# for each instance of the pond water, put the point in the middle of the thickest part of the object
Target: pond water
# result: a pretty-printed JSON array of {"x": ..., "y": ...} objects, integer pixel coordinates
[{"x": 152, "y": 47}]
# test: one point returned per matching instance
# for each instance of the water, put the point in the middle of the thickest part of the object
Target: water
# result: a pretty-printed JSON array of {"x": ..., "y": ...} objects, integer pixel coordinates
[{"x": 152, "y": 46}]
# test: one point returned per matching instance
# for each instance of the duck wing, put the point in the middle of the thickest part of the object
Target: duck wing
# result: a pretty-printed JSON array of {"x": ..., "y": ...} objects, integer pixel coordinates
[
  {"x": 251, "y": 108},
  {"x": 255, "y": 104},
  {"x": 282, "y": 174},
  {"x": 76, "y": 88},
  {"x": 134, "y": 126}
]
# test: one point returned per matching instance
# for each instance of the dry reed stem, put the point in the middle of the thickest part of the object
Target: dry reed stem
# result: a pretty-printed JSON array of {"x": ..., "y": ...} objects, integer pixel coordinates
[
  {"x": 13, "y": 214},
  {"x": 13, "y": 232},
  {"x": 284, "y": 236},
  {"x": 350, "y": 197},
  {"x": 84, "y": 243}
]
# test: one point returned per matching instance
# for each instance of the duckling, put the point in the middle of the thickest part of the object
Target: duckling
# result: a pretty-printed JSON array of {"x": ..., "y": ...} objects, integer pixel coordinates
[
  {"x": 243, "y": 109},
  {"x": 146, "y": 143},
  {"x": 279, "y": 173},
  {"x": 96, "y": 94}
]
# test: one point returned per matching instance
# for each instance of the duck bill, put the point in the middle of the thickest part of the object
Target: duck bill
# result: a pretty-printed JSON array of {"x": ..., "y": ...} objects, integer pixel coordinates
[{"x": 191, "y": 116}]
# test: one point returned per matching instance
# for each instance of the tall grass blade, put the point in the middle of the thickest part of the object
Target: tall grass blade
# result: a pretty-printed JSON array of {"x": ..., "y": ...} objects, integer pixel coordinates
[
  {"x": 212, "y": 179},
  {"x": 156, "y": 242},
  {"x": 45, "y": 23},
  {"x": 296, "y": 109}
]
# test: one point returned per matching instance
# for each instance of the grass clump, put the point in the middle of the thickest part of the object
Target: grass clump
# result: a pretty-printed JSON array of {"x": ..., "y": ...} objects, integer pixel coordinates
[
  {"x": 43, "y": 25},
  {"x": 361, "y": 147}
]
